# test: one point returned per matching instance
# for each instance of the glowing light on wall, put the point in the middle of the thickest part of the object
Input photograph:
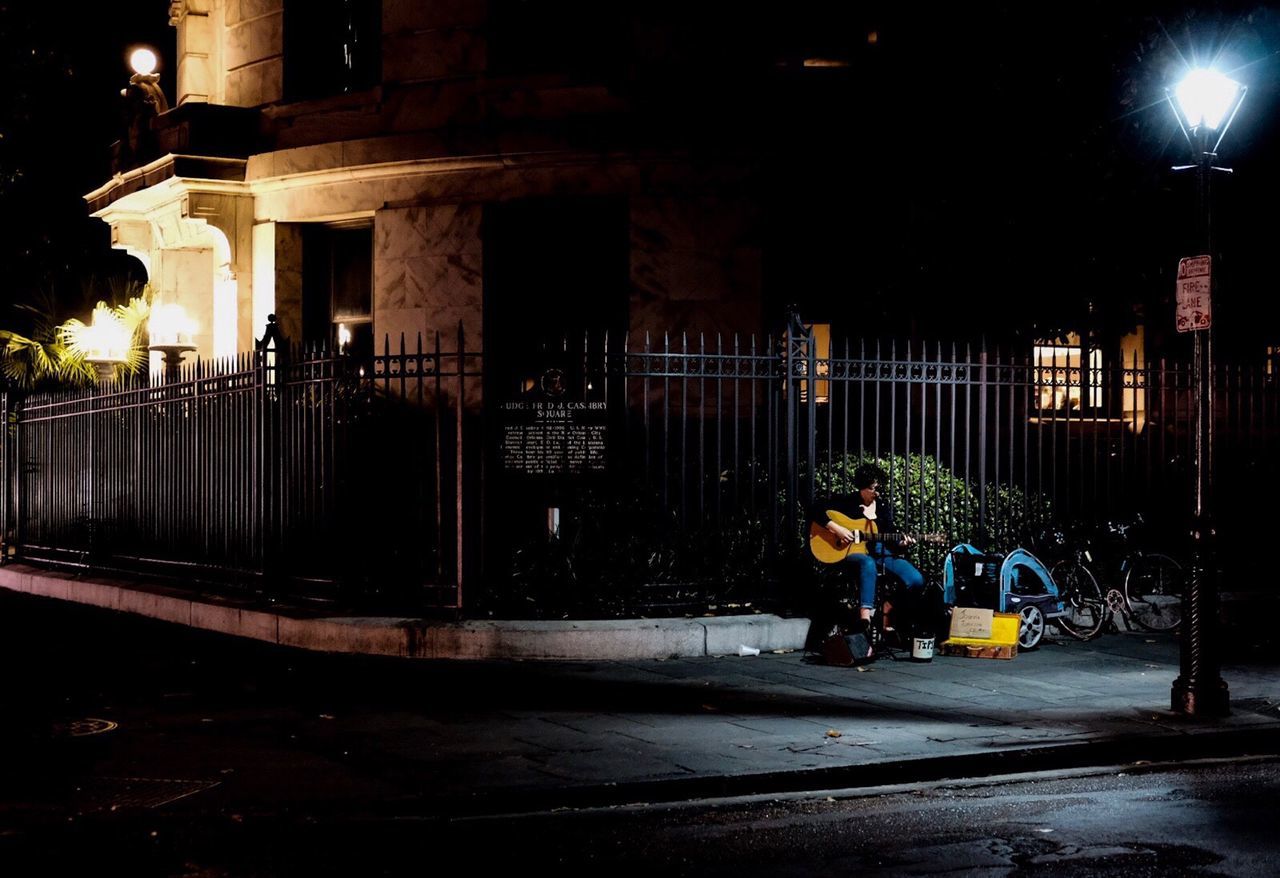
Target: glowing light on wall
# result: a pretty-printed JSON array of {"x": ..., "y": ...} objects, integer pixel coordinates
[
  {"x": 170, "y": 325},
  {"x": 105, "y": 339}
]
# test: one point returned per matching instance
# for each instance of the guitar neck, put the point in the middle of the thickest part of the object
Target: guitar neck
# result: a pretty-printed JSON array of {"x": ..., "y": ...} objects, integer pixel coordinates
[{"x": 901, "y": 535}]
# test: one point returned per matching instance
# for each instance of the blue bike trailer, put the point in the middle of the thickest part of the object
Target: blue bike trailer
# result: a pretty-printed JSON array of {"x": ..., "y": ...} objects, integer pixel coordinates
[{"x": 1023, "y": 578}]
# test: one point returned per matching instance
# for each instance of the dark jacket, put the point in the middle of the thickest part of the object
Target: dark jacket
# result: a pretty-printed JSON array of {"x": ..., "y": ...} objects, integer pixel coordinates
[{"x": 851, "y": 505}]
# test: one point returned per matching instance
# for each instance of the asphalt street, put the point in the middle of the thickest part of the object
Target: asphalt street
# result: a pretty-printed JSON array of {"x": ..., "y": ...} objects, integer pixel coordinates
[{"x": 121, "y": 727}]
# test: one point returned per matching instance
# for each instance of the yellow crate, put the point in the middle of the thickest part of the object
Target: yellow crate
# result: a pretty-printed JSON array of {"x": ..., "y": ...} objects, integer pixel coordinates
[{"x": 1002, "y": 644}]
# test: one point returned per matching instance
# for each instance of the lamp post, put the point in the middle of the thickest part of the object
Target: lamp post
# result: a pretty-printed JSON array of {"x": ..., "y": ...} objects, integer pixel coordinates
[
  {"x": 171, "y": 331},
  {"x": 105, "y": 342},
  {"x": 143, "y": 61},
  {"x": 1206, "y": 104}
]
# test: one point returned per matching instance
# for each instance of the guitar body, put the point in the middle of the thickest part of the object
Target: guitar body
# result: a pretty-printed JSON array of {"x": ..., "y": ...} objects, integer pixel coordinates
[{"x": 828, "y": 549}]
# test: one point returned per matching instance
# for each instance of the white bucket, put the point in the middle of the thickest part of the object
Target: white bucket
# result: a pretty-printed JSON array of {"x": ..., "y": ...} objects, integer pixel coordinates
[{"x": 922, "y": 649}]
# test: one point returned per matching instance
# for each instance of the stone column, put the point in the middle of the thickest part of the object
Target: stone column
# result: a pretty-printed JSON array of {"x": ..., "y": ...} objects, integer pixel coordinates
[
  {"x": 427, "y": 276},
  {"x": 198, "y": 23}
]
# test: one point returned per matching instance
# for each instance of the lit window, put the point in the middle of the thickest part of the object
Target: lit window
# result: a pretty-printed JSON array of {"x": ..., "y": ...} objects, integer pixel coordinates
[
  {"x": 822, "y": 362},
  {"x": 1060, "y": 376},
  {"x": 337, "y": 283}
]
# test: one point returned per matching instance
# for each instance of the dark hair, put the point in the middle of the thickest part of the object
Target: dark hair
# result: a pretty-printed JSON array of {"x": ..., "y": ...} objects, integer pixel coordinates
[{"x": 867, "y": 473}]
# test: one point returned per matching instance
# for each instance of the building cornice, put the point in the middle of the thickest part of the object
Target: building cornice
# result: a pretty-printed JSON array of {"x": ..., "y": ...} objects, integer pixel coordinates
[
  {"x": 221, "y": 174},
  {"x": 142, "y": 189}
]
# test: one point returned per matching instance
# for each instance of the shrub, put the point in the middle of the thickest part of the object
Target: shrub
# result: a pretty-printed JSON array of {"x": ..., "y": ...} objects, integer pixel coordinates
[{"x": 927, "y": 497}]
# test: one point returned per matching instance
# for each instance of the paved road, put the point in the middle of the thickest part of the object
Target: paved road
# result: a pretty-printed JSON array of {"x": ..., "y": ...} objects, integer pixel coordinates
[
  {"x": 1211, "y": 820},
  {"x": 215, "y": 738}
]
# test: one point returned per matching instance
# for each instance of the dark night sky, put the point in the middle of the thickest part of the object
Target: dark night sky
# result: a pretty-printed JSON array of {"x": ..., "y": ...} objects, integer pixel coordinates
[
  {"x": 1019, "y": 162},
  {"x": 1013, "y": 153},
  {"x": 58, "y": 117}
]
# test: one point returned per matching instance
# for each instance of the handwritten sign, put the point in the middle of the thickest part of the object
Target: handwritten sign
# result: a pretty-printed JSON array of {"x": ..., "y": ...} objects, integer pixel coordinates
[
  {"x": 971, "y": 622},
  {"x": 1194, "y": 311}
]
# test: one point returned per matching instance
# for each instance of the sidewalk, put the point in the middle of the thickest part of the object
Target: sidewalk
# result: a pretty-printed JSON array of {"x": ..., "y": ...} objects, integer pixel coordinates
[
  {"x": 389, "y": 738},
  {"x": 670, "y": 730},
  {"x": 303, "y": 628}
]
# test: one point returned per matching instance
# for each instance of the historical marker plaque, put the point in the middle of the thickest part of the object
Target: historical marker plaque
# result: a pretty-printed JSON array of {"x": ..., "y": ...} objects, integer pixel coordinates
[{"x": 553, "y": 437}]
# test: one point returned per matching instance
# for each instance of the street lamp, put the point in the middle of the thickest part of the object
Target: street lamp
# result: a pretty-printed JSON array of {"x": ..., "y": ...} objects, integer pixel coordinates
[
  {"x": 1206, "y": 104},
  {"x": 171, "y": 331},
  {"x": 143, "y": 62},
  {"x": 105, "y": 342}
]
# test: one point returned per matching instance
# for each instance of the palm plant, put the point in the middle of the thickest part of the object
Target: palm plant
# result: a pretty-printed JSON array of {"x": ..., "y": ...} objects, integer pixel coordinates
[
  {"x": 127, "y": 323},
  {"x": 39, "y": 357},
  {"x": 54, "y": 355}
]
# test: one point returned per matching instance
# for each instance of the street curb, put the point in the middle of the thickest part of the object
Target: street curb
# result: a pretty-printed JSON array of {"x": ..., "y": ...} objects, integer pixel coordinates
[
  {"x": 406, "y": 637},
  {"x": 1134, "y": 753}
]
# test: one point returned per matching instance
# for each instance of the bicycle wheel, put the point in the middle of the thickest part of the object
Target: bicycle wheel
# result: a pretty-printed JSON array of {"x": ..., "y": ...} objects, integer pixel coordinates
[
  {"x": 1153, "y": 591},
  {"x": 1086, "y": 609}
]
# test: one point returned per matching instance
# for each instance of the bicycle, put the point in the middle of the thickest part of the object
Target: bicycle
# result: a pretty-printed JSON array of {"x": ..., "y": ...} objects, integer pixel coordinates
[{"x": 1150, "y": 592}]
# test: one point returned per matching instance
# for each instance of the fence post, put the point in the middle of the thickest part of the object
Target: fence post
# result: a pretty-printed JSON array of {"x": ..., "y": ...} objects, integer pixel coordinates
[
  {"x": 982, "y": 438},
  {"x": 459, "y": 487},
  {"x": 6, "y": 447},
  {"x": 811, "y": 396},
  {"x": 269, "y": 386},
  {"x": 791, "y": 399}
]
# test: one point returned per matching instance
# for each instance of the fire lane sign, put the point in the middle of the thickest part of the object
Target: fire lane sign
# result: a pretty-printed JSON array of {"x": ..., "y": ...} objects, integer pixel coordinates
[{"x": 1194, "y": 311}]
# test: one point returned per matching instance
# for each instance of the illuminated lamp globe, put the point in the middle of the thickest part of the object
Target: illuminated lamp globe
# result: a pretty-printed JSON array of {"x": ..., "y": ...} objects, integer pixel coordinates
[
  {"x": 1205, "y": 97},
  {"x": 143, "y": 61}
]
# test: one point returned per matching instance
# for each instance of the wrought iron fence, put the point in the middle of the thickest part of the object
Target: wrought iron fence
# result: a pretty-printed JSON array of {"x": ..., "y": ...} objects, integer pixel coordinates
[
  {"x": 983, "y": 444},
  {"x": 291, "y": 469},
  {"x": 381, "y": 476}
]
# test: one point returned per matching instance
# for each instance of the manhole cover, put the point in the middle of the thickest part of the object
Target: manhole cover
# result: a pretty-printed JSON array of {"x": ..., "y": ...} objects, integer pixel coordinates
[
  {"x": 118, "y": 793},
  {"x": 79, "y": 728}
]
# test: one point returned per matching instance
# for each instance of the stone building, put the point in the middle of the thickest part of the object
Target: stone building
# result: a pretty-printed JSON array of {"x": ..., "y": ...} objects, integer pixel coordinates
[{"x": 371, "y": 169}]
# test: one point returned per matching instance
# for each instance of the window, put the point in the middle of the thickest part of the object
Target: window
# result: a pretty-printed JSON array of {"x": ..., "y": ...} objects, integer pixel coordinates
[
  {"x": 1061, "y": 377},
  {"x": 337, "y": 288},
  {"x": 587, "y": 39},
  {"x": 822, "y": 363},
  {"x": 331, "y": 47}
]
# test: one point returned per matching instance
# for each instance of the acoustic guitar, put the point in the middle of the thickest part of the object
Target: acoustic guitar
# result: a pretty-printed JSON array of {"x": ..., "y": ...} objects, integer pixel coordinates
[{"x": 830, "y": 549}]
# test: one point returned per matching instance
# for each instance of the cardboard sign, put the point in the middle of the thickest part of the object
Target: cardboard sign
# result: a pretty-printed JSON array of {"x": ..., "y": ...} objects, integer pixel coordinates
[{"x": 971, "y": 622}]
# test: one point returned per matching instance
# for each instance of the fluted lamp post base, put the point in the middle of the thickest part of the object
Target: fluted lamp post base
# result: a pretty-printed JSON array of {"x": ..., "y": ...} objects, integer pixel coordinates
[
  {"x": 173, "y": 354},
  {"x": 106, "y": 369}
]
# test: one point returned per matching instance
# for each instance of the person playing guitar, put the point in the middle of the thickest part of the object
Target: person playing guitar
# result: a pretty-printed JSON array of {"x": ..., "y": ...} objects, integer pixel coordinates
[{"x": 862, "y": 564}]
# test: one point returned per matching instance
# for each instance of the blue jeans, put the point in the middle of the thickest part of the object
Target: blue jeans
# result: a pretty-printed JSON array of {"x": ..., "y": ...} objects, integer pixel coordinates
[{"x": 863, "y": 569}]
